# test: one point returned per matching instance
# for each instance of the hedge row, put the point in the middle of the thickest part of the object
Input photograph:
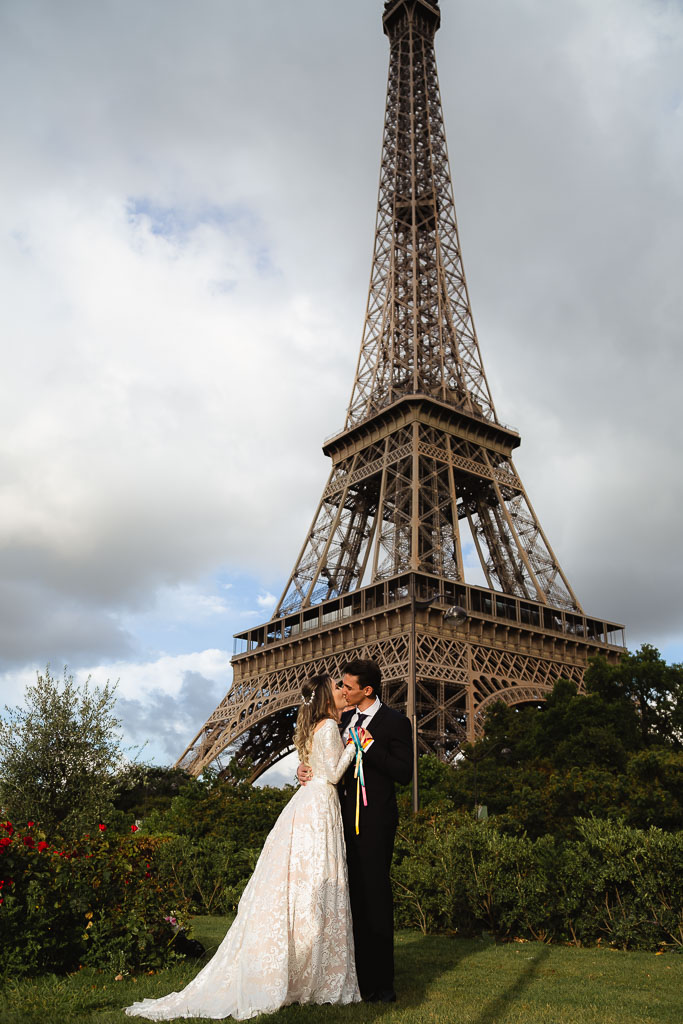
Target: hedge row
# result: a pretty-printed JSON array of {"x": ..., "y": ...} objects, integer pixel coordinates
[
  {"x": 209, "y": 874},
  {"x": 107, "y": 903},
  {"x": 615, "y": 885}
]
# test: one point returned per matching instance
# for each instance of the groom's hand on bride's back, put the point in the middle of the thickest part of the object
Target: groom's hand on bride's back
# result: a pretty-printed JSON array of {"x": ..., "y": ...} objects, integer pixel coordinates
[{"x": 304, "y": 774}]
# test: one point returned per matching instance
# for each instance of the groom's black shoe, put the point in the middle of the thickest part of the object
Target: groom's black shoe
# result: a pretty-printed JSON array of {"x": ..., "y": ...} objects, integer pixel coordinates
[{"x": 383, "y": 996}]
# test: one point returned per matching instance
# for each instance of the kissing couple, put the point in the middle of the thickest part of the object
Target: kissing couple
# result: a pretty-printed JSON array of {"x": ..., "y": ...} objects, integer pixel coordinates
[{"x": 315, "y": 923}]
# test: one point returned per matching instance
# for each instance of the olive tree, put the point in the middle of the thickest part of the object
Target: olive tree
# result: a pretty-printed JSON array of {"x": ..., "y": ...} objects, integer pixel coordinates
[{"x": 58, "y": 755}]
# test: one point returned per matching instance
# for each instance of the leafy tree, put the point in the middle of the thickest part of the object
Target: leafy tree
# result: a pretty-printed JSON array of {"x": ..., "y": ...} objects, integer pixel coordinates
[
  {"x": 58, "y": 755},
  {"x": 654, "y": 784},
  {"x": 571, "y": 728},
  {"x": 614, "y": 751},
  {"x": 654, "y": 688}
]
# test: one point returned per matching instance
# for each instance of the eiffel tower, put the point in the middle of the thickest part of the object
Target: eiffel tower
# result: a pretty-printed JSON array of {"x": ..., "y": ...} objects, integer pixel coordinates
[{"x": 421, "y": 471}]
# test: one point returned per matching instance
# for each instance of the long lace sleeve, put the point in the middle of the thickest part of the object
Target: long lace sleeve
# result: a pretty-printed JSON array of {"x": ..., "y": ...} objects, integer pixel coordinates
[{"x": 333, "y": 758}]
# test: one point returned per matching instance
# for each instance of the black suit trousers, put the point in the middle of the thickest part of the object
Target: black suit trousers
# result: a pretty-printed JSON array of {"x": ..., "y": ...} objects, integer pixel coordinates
[{"x": 369, "y": 859}]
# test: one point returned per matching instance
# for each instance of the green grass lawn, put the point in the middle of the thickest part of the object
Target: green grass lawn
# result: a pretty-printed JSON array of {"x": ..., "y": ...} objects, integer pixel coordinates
[{"x": 439, "y": 980}]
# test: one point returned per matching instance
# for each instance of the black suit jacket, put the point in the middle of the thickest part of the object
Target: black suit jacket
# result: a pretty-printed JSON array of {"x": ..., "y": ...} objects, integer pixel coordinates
[{"x": 387, "y": 761}]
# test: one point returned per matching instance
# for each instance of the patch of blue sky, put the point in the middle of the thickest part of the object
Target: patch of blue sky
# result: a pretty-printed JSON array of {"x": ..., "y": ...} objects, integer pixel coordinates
[
  {"x": 474, "y": 574},
  {"x": 671, "y": 652},
  {"x": 187, "y": 618},
  {"x": 179, "y": 221},
  {"x": 224, "y": 287},
  {"x": 176, "y": 223}
]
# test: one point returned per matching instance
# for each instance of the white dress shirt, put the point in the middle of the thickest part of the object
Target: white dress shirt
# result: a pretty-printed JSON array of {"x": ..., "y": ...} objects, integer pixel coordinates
[{"x": 369, "y": 713}]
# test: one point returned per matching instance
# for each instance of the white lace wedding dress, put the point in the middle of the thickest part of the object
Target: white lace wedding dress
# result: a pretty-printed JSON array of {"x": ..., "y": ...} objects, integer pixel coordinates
[{"x": 292, "y": 939}]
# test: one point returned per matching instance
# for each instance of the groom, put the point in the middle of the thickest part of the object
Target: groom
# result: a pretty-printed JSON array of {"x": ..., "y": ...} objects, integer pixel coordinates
[{"x": 387, "y": 760}]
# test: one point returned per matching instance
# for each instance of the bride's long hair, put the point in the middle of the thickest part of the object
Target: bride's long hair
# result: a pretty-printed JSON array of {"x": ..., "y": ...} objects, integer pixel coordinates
[{"x": 317, "y": 703}]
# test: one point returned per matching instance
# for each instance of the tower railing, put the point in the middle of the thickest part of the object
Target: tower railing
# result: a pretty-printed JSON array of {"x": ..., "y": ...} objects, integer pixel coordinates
[{"x": 478, "y": 602}]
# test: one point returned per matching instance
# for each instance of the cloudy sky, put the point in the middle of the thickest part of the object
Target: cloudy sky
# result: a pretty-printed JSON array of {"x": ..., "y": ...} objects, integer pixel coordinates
[{"x": 188, "y": 196}]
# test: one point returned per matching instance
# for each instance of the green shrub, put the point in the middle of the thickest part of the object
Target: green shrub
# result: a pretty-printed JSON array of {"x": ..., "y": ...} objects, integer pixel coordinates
[
  {"x": 211, "y": 807},
  {"x": 210, "y": 874},
  {"x": 96, "y": 903},
  {"x": 615, "y": 884},
  {"x": 624, "y": 886},
  {"x": 426, "y": 874},
  {"x": 454, "y": 874}
]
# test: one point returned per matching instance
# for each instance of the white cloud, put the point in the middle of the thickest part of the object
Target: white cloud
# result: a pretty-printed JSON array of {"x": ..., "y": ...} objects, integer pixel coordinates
[
  {"x": 163, "y": 704},
  {"x": 281, "y": 774},
  {"x": 166, "y": 674}
]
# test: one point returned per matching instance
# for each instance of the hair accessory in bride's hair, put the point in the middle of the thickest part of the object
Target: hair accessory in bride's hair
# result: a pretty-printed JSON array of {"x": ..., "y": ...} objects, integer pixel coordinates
[{"x": 307, "y": 700}]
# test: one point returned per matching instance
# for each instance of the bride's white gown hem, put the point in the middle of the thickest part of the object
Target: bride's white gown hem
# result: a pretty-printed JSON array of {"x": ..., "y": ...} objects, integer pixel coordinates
[{"x": 292, "y": 939}]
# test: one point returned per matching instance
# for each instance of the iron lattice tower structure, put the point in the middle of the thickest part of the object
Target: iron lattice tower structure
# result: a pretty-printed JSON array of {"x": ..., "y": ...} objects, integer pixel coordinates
[{"x": 422, "y": 461}]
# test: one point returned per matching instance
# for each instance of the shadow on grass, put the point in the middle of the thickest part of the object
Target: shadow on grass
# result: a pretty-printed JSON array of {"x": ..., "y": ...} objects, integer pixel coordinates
[
  {"x": 497, "y": 1007},
  {"x": 420, "y": 963}
]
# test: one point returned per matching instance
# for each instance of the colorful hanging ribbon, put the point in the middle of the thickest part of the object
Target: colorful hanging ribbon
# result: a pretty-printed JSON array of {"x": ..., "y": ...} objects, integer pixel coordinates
[{"x": 358, "y": 774}]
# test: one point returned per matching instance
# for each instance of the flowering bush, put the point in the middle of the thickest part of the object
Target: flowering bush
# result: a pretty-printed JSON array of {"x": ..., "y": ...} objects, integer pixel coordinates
[{"x": 88, "y": 904}]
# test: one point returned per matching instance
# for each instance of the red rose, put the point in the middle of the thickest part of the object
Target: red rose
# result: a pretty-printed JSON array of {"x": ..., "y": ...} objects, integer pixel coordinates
[
  {"x": 42, "y": 845},
  {"x": 102, "y": 828},
  {"x": 30, "y": 824},
  {"x": 133, "y": 828},
  {"x": 28, "y": 841},
  {"x": 5, "y": 841}
]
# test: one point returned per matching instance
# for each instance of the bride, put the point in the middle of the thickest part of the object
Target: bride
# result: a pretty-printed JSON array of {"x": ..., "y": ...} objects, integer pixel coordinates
[{"x": 292, "y": 939}]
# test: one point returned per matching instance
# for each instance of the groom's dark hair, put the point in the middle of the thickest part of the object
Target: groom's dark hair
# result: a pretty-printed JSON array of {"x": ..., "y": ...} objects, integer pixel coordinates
[{"x": 368, "y": 673}]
